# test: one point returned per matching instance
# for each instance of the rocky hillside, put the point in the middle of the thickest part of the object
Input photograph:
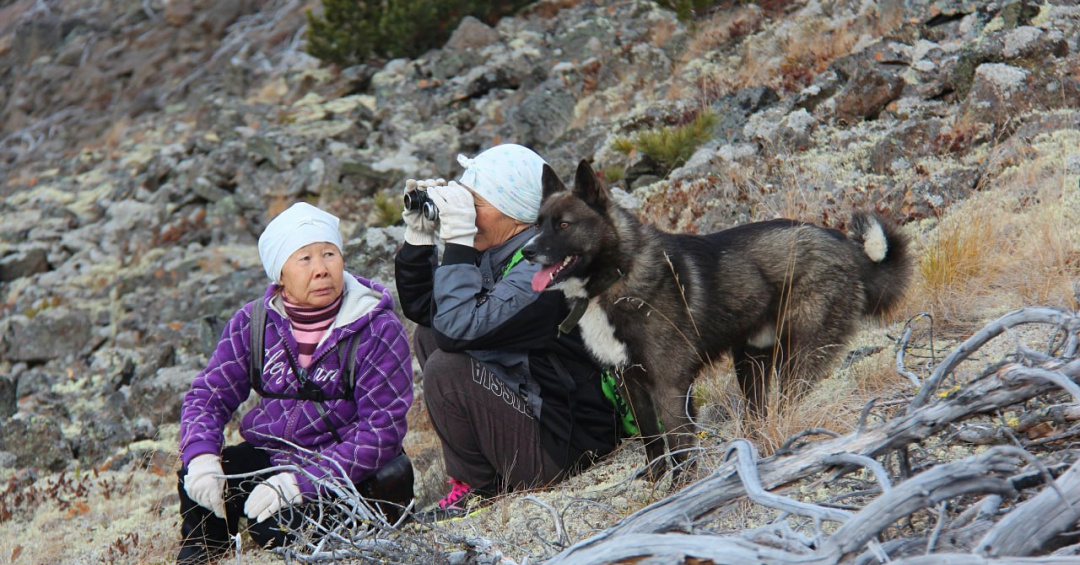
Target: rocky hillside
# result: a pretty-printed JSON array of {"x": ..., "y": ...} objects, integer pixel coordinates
[{"x": 145, "y": 143}]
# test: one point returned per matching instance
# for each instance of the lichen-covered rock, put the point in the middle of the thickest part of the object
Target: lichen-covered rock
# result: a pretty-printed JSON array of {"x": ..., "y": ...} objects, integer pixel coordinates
[
  {"x": 998, "y": 93},
  {"x": 52, "y": 333},
  {"x": 37, "y": 442},
  {"x": 23, "y": 262},
  {"x": 866, "y": 93}
]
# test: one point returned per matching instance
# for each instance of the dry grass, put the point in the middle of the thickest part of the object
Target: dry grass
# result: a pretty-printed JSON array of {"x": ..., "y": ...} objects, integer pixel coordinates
[
  {"x": 1047, "y": 270},
  {"x": 960, "y": 254},
  {"x": 110, "y": 516},
  {"x": 723, "y": 29},
  {"x": 830, "y": 403},
  {"x": 1002, "y": 249}
]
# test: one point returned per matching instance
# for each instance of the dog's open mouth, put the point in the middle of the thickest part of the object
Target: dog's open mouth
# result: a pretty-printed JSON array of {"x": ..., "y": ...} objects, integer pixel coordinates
[{"x": 550, "y": 273}]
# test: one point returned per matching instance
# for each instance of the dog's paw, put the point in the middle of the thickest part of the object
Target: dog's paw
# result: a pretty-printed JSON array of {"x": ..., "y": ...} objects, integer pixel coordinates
[{"x": 654, "y": 471}]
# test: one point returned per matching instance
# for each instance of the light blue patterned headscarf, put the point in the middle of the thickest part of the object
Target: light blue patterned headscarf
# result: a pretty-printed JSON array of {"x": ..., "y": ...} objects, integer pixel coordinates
[{"x": 509, "y": 177}]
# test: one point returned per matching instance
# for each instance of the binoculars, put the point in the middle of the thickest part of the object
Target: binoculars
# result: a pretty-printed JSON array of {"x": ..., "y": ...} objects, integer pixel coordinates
[{"x": 419, "y": 200}]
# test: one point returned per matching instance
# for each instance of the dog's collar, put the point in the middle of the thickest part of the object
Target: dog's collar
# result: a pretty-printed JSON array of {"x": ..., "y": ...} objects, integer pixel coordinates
[
  {"x": 577, "y": 310},
  {"x": 579, "y": 305}
]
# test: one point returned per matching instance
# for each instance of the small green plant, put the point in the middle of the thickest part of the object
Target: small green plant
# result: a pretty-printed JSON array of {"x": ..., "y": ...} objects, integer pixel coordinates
[
  {"x": 387, "y": 209},
  {"x": 623, "y": 145},
  {"x": 350, "y": 32},
  {"x": 614, "y": 173},
  {"x": 671, "y": 146},
  {"x": 686, "y": 10},
  {"x": 40, "y": 306}
]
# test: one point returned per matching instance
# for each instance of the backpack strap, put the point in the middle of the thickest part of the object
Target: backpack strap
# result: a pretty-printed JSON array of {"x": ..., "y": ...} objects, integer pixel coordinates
[
  {"x": 347, "y": 362},
  {"x": 258, "y": 350},
  {"x": 257, "y": 329}
]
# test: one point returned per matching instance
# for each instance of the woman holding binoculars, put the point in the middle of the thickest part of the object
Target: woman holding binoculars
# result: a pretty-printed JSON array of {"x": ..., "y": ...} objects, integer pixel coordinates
[{"x": 515, "y": 403}]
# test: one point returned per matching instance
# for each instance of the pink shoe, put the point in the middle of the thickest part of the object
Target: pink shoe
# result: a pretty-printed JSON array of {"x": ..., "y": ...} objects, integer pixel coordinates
[{"x": 458, "y": 503}]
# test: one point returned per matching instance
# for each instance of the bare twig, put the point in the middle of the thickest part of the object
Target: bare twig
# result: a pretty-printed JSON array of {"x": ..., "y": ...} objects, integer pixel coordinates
[
  {"x": 786, "y": 447},
  {"x": 1036, "y": 521},
  {"x": 560, "y": 531},
  {"x": 1059, "y": 318},
  {"x": 937, "y": 527},
  {"x": 745, "y": 465},
  {"x": 854, "y": 459},
  {"x": 901, "y": 347}
]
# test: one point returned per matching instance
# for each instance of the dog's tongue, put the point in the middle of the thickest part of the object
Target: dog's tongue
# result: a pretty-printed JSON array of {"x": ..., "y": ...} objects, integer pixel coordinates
[{"x": 542, "y": 279}]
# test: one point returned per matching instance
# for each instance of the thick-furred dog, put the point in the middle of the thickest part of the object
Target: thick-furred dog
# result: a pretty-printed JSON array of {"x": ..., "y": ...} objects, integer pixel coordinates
[{"x": 781, "y": 297}]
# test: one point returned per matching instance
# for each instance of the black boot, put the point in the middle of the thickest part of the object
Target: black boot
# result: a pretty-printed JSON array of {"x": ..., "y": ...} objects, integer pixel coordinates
[{"x": 391, "y": 489}]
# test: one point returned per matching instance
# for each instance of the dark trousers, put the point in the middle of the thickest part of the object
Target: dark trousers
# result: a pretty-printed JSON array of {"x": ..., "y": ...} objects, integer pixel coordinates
[
  {"x": 200, "y": 526},
  {"x": 489, "y": 439},
  {"x": 391, "y": 489}
]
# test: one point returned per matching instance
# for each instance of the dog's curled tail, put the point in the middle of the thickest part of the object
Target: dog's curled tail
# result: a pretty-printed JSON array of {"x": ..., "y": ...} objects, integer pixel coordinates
[{"x": 886, "y": 278}]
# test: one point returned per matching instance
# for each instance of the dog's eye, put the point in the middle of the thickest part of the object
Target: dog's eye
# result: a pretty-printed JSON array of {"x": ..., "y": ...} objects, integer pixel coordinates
[{"x": 563, "y": 225}]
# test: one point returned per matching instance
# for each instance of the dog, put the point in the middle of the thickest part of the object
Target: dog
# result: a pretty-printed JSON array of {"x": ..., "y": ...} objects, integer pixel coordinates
[{"x": 781, "y": 297}]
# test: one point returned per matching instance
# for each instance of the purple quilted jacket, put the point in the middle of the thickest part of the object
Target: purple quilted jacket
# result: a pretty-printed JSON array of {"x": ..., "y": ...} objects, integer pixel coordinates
[{"x": 371, "y": 424}]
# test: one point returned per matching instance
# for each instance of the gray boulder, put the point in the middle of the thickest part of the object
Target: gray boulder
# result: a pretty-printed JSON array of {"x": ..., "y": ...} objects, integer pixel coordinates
[
  {"x": 36, "y": 442},
  {"x": 53, "y": 333}
]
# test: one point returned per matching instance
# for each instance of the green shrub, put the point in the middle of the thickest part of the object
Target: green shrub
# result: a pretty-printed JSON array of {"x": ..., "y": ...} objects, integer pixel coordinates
[
  {"x": 671, "y": 146},
  {"x": 623, "y": 145},
  {"x": 686, "y": 10},
  {"x": 351, "y": 32},
  {"x": 614, "y": 174},
  {"x": 387, "y": 209}
]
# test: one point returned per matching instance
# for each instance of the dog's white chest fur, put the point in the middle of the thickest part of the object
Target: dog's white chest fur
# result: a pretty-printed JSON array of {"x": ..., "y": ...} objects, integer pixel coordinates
[
  {"x": 599, "y": 336},
  {"x": 596, "y": 328}
]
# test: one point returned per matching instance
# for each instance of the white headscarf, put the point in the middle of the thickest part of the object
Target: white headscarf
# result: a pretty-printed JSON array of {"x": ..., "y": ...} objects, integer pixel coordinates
[
  {"x": 301, "y": 224},
  {"x": 509, "y": 177}
]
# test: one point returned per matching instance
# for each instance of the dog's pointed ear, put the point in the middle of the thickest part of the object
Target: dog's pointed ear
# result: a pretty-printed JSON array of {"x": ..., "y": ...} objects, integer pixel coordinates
[
  {"x": 550, "y": 181},
  {"x": 587, "y": 186}
]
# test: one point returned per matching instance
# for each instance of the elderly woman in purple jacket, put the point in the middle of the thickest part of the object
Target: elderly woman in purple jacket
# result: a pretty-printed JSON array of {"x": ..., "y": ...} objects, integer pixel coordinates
[{"x": 310, "y": 417}]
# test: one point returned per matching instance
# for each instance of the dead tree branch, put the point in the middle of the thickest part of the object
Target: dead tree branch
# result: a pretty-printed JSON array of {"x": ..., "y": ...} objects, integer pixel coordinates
[
  {"x": 993, "y": 477},
  {"x": 1067, "y": 321},
  {"x": 1031, "y": 525}
]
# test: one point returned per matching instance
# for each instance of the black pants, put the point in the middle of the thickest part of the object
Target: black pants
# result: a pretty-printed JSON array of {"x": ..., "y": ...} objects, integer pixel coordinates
[
  {"x": 489, "y": 439},
  {"x": 201, "y": 526},
  {"x": 390, "y": 489}
]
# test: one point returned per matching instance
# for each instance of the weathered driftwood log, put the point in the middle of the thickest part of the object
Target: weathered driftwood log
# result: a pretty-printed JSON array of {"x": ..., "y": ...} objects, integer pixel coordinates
[
  {"x": 1066, "y": 320},
  {"x": 986, "y": 473},
  {"x": 969, "y": 559},
  {"x": 647, "y": 532},
  {"x": 1031, "y": 525}
]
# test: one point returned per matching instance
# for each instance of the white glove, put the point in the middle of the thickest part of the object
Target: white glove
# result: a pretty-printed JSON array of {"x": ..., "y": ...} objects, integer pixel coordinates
[
  {"x": 272, "y": 495},
  {"x": 457, "y": 213},
  {"x": 418, "y": 229},
  {"x": 205, "y": 483}
]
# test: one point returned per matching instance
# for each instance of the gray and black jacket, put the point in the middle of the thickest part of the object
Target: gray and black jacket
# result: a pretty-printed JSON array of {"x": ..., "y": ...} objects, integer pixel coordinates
[{"x": 513, "y": 330}]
